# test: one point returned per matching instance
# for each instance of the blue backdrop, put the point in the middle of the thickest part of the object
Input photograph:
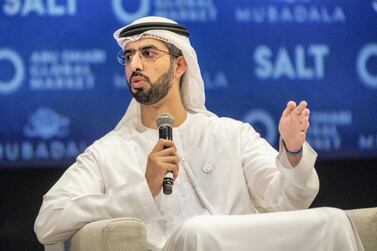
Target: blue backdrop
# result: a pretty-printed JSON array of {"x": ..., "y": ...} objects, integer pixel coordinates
[{"x": 61, "y": 86}]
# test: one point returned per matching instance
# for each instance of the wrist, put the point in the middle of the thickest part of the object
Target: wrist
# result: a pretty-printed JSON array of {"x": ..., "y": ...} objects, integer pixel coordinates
[{"x": 292, "y": 153}]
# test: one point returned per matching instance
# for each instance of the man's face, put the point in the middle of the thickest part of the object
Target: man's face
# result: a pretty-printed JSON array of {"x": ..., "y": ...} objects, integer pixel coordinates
[{"x": 149, "y": 70}]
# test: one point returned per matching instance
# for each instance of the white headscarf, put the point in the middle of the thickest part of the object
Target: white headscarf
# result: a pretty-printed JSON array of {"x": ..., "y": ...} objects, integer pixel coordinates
[{"x": 192, "y": 89}]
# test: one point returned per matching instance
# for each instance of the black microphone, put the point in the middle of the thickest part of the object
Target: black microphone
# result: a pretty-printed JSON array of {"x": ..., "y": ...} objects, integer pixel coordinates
[{"x": 165, "y": 123}]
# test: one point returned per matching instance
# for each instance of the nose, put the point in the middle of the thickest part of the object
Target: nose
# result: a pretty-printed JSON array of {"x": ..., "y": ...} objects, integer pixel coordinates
[{"x": 136, "y": 62}]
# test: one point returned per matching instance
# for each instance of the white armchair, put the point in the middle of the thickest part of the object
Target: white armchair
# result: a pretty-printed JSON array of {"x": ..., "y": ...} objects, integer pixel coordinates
[{"x": 126, "y": 234}]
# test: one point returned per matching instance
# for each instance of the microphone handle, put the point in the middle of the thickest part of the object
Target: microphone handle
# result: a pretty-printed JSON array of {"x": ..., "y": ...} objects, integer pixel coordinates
[{"x": 166, "y": 132}]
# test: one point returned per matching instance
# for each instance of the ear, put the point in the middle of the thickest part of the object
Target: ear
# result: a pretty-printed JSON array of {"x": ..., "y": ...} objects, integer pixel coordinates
[{"x": 181, "y": 66}]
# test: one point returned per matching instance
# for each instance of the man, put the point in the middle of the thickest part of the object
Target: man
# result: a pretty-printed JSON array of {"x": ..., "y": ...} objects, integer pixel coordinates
[{"x": 220, "y": 166}]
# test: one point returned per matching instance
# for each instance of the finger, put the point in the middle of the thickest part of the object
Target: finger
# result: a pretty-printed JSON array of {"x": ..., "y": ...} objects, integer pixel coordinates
[
  {"x": 304, "y": 119},
  {"x": 304, "y": 126},
  {"x": 301, "y": 107},
  {"x": 163, "y": 143},
  {"x": 159, "y": 146},
  {"x": 172, "y": 168},
  {"x": 169, "y": 159},
  {"x": 171, "y": 151},
  {"x": 305, "y": 112},
  {"x": 291, "y": 105},
  {"x": 304, "y": 116},
  {"x": 166, "y": 143}
]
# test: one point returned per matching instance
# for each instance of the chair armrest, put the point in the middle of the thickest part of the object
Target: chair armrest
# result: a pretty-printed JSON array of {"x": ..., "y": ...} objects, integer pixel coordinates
[
  {"x": 119, "y": 234},
  {"x": 365, "y": 221}
]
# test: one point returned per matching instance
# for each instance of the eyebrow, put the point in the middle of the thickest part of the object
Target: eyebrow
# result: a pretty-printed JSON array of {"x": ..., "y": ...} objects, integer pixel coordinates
[{"x": 142, "y": 47}]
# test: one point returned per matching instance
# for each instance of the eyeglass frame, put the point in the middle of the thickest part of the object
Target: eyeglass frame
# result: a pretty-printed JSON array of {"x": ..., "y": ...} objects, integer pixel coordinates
[{"x": 122, "y": 59}]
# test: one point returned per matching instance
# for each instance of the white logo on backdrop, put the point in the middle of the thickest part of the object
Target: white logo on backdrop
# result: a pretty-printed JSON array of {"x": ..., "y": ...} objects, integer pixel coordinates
[
  {"x": 40, "y": 7},
  {"x": 119, "y": 81},
  {"x": 367, "y": 54},
  {"x": 65, "y": 70},
  {"x": 289, "y": 11},
  {"x": 183, "y": 10},
  {"x": 291, "y": 64},
  {"x": 261, "y": 116},
  {"x": 49, "y": 132},
  {"x": 374, "y": 5},
  {"x": 367, "y": 141},
  {"x": 126, "y": 16},
  {"x": 11, "y": 85},
  {"x": 323, "y": 133},
  {"x": 216, "y": 80},
  {"x": 45, "y": 123}
]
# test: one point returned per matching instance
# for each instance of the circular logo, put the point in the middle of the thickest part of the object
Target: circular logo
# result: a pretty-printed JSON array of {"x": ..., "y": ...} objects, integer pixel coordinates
[
  {"x": 374, "y": 5},
  {"x": 366, "y": 53},
  {"x": 127, "y": 17},
  {"x": 14, "y": 83},
  {"x": 260, "y": 116}
]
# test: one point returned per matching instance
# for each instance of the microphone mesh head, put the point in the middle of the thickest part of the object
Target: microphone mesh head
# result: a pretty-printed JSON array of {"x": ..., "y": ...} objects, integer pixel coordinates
[{"x": 164, "y": 119}]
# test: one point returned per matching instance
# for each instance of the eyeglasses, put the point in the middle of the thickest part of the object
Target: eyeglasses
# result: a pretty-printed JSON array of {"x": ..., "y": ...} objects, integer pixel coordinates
[{"x": 146, "y": 53}]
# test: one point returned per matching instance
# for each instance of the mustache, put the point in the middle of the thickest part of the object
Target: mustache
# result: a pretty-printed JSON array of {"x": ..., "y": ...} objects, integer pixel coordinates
[{"x": 136, "y": 73}]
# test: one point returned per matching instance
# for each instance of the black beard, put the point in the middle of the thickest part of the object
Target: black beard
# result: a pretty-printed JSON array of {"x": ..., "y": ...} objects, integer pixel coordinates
[{"x": 158, "y": 91}]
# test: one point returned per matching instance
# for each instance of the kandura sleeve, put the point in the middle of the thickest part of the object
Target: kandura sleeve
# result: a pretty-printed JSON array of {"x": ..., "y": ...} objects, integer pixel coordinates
[
  {"x": 272, "y": 182},
  {"x": 79, "y": 198}
]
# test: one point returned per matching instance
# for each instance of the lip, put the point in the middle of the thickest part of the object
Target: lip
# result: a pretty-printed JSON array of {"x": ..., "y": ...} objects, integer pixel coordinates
[{"x": 137, "y": 82}]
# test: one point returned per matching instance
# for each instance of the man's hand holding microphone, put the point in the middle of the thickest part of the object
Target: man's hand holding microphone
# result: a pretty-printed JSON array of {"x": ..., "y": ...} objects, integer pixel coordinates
[{"x": 163, "y": 162}]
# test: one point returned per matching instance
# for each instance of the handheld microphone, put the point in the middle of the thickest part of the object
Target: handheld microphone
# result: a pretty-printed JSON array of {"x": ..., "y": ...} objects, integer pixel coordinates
[{"x": 165, "y": 123}]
